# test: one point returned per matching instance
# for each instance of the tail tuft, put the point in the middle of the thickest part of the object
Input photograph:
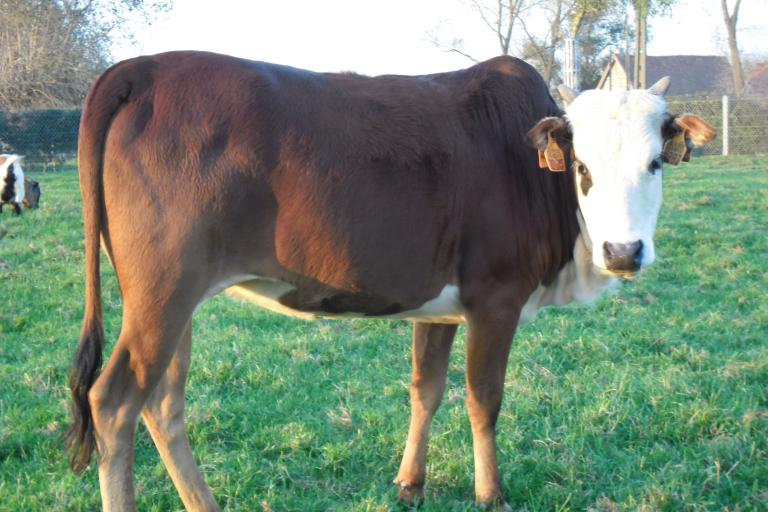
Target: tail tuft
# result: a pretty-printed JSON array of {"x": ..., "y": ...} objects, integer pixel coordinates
[{"x": 85, "y": 369}]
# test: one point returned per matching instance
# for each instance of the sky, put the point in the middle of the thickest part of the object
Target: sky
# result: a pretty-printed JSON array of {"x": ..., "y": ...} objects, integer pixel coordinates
[{"x": 375, "y": 37}]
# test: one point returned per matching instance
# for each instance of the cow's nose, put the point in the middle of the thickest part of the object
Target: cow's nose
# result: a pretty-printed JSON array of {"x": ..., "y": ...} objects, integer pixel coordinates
[{"x": 623, "y": 257}]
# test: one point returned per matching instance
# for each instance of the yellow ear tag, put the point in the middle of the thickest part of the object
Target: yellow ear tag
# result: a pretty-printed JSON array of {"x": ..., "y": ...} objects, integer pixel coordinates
[
  {"x": 676, "y": 149},
  {"x": 553, "y": 156}
]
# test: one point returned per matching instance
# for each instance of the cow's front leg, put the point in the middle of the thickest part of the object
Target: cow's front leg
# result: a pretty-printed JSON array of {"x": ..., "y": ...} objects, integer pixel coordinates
[
  {"x": 431, "y": 348},
  {"x": 489, "y": 337}
]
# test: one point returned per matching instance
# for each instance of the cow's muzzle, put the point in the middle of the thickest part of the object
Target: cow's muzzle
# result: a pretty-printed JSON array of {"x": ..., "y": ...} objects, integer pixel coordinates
[{"x": 623, "y": 258}]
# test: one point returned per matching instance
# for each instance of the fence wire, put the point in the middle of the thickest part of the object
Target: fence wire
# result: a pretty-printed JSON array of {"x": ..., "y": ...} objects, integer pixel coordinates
[
  {"x": 48, "y": 138},
  {"x": 745, "y": 131}
]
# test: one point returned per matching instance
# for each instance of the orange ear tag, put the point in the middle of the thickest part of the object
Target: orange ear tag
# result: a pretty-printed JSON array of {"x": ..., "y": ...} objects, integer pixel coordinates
[
  {"x": 542, "y": 160},
  {"x": 554, "y": 156},
  {"x": 676, "y": 149}
]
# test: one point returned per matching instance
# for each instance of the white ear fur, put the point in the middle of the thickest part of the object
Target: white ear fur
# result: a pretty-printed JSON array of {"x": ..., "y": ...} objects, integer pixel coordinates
[
  {"x": 660, "y": 87},
  {"x": 566, "y": 93}
]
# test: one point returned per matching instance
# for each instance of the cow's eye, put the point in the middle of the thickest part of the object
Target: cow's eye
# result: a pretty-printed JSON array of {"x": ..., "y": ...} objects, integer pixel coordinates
[
  {"x": 654, "y": 166},
  {"x": 585, "y": 182}
]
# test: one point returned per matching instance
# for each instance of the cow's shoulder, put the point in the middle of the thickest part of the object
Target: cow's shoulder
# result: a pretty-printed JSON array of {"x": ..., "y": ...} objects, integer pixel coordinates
[
  {"x": 503, "y": 98},
  {"x": 507, "y": 65}
]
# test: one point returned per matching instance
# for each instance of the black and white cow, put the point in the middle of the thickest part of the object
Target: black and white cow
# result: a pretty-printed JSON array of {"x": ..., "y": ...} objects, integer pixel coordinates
[
  {"x": 32, "y": 193},
  {"x": 11, "y": 182}
]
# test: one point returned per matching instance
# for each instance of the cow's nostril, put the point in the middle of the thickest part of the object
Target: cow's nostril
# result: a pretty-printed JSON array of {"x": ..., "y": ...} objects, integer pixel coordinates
[
  {"x": 623, "y": 257},
  {"x": 638, "y": 253}
]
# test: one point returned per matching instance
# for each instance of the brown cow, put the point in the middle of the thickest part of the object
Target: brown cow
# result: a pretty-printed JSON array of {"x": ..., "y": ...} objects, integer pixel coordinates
[{"x": 340, "y": 195}]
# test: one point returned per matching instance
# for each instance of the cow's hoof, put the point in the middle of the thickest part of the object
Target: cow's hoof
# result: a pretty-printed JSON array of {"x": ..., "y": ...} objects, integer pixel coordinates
[
  {"x": 497, "y": 503},
  {"x": 410, "y": 494}
]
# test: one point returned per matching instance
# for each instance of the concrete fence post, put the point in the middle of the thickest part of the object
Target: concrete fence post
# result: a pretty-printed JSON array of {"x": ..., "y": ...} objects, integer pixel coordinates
[
  {"x": 571, "y": 66},
  {"x": 725, "y": 125}
]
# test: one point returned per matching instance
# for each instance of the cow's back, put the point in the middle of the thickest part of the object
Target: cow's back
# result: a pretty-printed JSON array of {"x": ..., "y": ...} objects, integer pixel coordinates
[{"x": 342, "y": 185}]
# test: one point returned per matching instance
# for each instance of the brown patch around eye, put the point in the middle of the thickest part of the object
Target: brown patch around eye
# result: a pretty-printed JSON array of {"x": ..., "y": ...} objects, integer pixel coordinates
[{"x": 585, "y": 178}]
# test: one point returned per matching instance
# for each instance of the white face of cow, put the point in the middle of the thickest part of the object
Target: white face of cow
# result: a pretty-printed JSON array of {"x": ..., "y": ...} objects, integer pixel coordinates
[{"x": 615, "y": 143}]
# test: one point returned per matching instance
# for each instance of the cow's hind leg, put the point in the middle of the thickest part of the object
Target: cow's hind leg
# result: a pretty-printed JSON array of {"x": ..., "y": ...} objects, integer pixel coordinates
[
  {"x": 164, "y": 416},
  {"x": 147, "y": 343},
  {"x": 431, "y": 348}
]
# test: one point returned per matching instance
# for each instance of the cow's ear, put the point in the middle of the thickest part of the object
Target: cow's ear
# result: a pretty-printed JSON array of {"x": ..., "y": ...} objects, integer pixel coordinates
[
  {"x": 696, "y": 129},
  {"x": 545, "y": 136},
  {"x": 681, "y": 134}
]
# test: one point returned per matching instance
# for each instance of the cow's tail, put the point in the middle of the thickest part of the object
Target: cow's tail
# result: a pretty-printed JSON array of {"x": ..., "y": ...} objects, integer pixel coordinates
[{"x": 101, "y": 105}]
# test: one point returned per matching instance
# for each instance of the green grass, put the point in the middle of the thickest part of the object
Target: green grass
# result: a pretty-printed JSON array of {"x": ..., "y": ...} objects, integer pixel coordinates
[{"x": 655, "y": 398}]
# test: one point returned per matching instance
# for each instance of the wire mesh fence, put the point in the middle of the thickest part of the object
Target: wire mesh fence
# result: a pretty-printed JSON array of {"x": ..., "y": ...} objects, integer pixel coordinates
[
  {"x": 741, "y": 123},
  {"x": 48, "y": 138}
]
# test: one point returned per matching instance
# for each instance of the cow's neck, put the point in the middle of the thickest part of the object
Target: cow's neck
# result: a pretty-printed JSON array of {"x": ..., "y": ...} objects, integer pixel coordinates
[
  {"x": 583, "y": 232},
  {"x": 578, "y": 281}
]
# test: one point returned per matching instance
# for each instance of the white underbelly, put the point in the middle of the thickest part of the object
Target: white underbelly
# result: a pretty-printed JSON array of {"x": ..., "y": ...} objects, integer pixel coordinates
[
  {"x": 444, "y": 309},
  {"x": 577, "y": 281}
]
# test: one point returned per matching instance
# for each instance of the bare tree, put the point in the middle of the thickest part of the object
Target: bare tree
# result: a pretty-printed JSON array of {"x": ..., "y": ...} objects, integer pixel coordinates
[
  {"x": 500, "y": 18},
  {"x": 537, "y": 45},
  {"x": 46, "y": 59},
  {"x": 52, "y": 50},
  {"x": 587, "y": 12},
  {"x": 731, "y": 19},
  {"x": 569, "y": 18},
  {"x": 644, "y": 9},
  {"x": 541, "y": 51},
  {"x": 598, "y": 40}
]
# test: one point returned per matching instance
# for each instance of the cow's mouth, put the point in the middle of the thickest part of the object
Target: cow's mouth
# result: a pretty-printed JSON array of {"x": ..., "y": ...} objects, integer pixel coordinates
[{"x": 626, "y": 275}]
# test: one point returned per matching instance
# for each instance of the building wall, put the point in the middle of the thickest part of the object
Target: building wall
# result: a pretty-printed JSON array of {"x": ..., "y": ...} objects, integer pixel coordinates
[{"x": 616, "y": 79}]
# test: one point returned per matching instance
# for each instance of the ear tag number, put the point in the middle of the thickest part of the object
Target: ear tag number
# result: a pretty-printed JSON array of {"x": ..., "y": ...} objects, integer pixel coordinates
[{"x": 552, "y": 157}]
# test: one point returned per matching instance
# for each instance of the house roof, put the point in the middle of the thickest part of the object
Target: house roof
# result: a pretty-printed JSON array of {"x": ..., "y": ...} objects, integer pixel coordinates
[
  {"x": 757, "y": 80},
  {"x": 690, "y": 74}
]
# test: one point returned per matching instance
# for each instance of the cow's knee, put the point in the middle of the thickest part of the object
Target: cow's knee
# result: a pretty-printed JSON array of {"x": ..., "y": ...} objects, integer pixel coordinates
[
  {"x": 427, "y": 395},
  {"x": 484, "y": 407}
]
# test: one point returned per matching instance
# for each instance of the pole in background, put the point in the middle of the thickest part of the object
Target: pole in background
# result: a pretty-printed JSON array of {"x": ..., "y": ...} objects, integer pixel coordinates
[
  {"x": 725, "y": 125},
  {"x": 571, "y": 67}
]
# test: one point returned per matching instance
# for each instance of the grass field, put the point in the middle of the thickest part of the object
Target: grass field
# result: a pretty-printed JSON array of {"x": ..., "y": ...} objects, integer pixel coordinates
[{"x": 654, "y": 398}]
